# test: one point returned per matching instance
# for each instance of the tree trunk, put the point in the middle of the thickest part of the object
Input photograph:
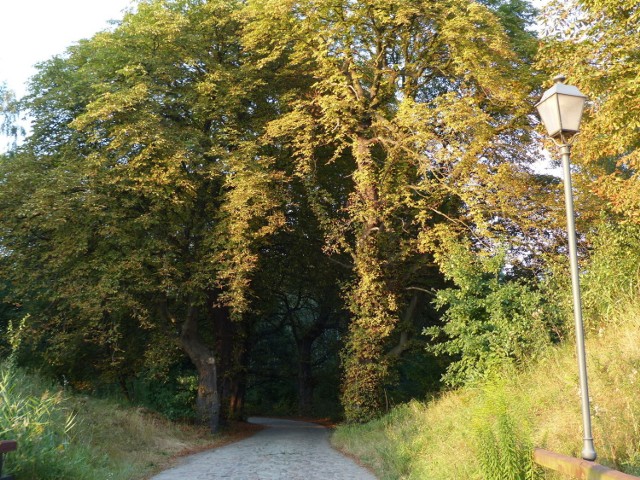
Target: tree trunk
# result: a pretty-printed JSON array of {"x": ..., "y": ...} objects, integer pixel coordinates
[
  {"x": 208, "y": 400},
  {"x": 407, "y": 318},
  {"x": 235, "y": 400},
  {"x": 305, "y": 377},
  {"x": 372, "y": 302},
  {"x": 232, "y": 358},
  {"x": 223, "y": 332},
  {"x": 239, "y": 383}
]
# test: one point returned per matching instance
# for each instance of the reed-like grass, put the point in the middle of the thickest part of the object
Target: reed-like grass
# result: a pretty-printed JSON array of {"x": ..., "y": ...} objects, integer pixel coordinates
[{"x": 37, "y": 416}]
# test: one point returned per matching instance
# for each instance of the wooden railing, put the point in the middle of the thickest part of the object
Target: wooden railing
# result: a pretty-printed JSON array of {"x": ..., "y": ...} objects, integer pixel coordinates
[
  {"x": 576, "y": 467},
  {"x": 5, "y": 447}
]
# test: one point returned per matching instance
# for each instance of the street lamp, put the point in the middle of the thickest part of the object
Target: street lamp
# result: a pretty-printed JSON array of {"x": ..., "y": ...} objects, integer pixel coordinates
[{"x": 560, "y": 109}]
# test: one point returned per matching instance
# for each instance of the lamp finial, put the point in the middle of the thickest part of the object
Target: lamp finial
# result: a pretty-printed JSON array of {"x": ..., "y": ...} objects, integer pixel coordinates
[{"x": 559, "y": 78}]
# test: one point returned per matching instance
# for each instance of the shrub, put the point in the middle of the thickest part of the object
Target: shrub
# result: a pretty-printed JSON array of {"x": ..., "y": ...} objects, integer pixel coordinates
[
  {"x": 612, "y": 278},
  {"x": 491, "y": 321},
  {"x": 174, "y": 399}
]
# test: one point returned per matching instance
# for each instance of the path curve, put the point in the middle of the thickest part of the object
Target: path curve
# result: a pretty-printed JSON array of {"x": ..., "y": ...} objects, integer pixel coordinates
[{"x": 285, "y": 449}]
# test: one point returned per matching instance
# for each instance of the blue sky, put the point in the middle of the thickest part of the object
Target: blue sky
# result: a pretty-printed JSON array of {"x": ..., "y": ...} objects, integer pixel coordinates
[{"x": 32, "y": 31}]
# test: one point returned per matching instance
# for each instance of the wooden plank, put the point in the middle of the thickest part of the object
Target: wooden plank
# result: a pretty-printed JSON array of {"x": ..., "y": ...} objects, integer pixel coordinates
[
  {"x": 577, "y": 467},
  {"x": 8, "y": 446}
]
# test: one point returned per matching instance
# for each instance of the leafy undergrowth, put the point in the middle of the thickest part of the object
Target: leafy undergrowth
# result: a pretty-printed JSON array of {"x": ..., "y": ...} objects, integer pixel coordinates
[
  {"x": 80, "y": 437},
  {"x": 488, "y": 431}
]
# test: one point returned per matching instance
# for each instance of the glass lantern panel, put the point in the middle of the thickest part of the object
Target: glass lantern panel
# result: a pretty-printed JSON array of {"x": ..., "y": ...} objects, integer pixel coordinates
[
  {"x": 550, "y": 114},
  {"x": 571, "y": 111}
]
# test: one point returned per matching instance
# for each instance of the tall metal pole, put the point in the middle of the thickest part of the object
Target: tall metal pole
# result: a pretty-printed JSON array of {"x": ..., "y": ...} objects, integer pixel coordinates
[{"x": 588, "y": 450}]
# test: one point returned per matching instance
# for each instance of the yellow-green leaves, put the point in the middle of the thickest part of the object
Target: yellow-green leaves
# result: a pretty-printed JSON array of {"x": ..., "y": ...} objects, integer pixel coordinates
[
  {"x": 178, "y": 146},
  {"x": 422, "y": 103},
  {"x": 595, "y": 42}
]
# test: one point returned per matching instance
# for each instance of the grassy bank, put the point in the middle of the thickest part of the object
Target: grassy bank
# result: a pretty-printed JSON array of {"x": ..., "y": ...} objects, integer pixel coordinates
[
  {"x": 488, "y": 431},
  {"x": 79, "y": 437}
]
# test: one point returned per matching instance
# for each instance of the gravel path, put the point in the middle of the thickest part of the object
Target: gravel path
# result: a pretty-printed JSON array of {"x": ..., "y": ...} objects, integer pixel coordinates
[{"x": 286, "y": 449}]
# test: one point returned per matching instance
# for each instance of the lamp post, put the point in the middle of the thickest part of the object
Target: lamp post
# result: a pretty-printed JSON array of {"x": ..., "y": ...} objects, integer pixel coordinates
[{"x": 561, "y": 111}]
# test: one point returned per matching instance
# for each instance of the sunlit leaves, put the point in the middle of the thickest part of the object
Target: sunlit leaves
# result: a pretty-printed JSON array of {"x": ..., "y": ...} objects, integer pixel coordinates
[
  {"x": 169, "y": 152},
  {"x": 140, "y": 137},
  {"x": 596, "y": 44},
  {"x": 427, "y": 100}
]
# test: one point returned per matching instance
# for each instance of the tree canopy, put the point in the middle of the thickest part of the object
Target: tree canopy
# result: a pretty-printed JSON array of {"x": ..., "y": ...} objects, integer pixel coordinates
[{"x": 264, "y": 190}]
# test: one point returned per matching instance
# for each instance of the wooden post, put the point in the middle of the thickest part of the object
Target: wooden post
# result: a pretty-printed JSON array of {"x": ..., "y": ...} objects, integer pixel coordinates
[{"x": 6, "y": 446}]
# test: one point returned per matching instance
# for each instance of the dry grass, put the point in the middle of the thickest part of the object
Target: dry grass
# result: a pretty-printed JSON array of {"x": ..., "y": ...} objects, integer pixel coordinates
[
  {"x": 613, "y": 363},
  {"x": 438, "y": 440},
  {"x": 63, "y": 435},
  {"x": 138, "y": 443}
]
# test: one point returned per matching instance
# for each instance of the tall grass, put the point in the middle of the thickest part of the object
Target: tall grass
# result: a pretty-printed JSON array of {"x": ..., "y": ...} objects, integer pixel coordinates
[
  {"x": 61, "y": 435},
  {"x": 504, "y": 447},
  {"x": 475, "y": 431},
  {"x": 71, "y": 437},
  {"x": 37, "y": 416}
]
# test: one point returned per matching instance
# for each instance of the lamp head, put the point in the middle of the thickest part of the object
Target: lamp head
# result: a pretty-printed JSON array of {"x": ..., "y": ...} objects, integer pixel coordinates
[{"x": 561, "y": 108}]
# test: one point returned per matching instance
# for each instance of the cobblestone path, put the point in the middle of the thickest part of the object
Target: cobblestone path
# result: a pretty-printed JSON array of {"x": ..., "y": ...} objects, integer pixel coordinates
[{"x": 284, "y": 450}]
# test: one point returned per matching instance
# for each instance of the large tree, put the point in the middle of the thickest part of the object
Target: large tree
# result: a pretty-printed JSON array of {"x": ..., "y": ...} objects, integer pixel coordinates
[
  {"x": 137, "y": 206},
  {"x": 186, "y": 167},
  {"x": 428, "y": 101}
]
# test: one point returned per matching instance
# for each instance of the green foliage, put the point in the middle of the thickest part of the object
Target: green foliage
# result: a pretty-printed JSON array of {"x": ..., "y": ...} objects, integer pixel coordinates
[
  {"x": 409, "y": 94},
  {"x": 62, "y": 435},
  {"x": 177, "y": 158},
  {"x": 490, "y": 427},
  {"x": 173, "y": 396},
  {"x": 595, "y": 43},
  {"x": 9, "y": 113},
  {"x": 491, "y": 322},
  {"x": 418, "y": 373},
  {"x": 612, "y": 277},
  {"x": 518, "y": 19},
  {"x": 141, "y": 199}
]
